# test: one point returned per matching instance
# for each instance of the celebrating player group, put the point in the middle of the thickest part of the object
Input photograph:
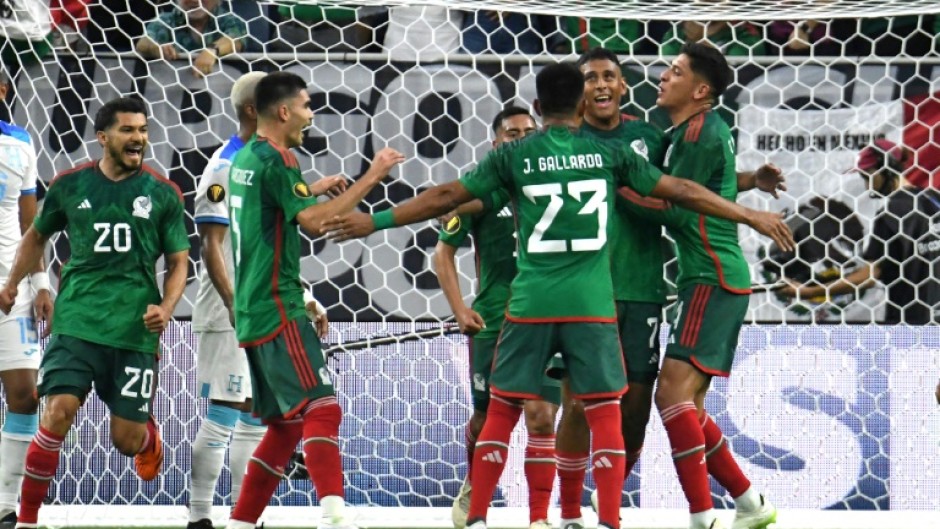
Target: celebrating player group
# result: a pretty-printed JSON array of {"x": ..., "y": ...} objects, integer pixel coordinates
[{"x": 567, "y": 219}]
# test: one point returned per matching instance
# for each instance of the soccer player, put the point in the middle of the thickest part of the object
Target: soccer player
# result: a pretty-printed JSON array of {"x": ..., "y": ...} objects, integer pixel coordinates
[
  {"x": 493, "y": 230},
  {"x": 714, "y": 286},
  {"x": 562, "y": 184},
  {"x": 19, "y": 344},
  {"x": 291, "y": 388},
  {"x": 120, "y": 217}
]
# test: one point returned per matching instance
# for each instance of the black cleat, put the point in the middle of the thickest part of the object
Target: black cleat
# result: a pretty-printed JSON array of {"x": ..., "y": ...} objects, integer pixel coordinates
[
  {"x": 8, "y": 521},
  {"x": 205, "y": 523}
]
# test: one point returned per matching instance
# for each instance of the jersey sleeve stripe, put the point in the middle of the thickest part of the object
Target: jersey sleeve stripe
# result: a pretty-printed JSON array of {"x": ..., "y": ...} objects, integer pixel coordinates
[
  {"x": 211, "y": 220},
  {"x": 288, "y": 157},
  {"x": 152, "y": 172},
  {"x": 30, "y": 191},
  {"x": 708, "y": 249},
  {"x": 73, "y": 170},
  {"x": 646, "y": 202}
]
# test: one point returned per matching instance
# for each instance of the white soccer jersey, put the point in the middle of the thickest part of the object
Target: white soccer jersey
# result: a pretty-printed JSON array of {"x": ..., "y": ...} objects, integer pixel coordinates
[
  {"x": 17, "y": 177},
  {"x": 209, "y": 313}
]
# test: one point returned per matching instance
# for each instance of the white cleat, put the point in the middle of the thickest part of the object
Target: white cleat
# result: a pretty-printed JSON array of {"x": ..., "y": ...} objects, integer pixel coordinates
[
  {"x": 573, "y": 523},
  {"x": 477, "y": 525},
  {"x": 458, "y": 512},
  {"x": 540, "y": 524},
  {"x": 336, "y": 523},
  {"x": 761, "y": 518}
]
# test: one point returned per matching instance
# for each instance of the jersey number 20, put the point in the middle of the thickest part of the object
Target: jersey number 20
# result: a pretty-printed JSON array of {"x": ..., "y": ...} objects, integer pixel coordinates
[{"x": 113, "y": 237}]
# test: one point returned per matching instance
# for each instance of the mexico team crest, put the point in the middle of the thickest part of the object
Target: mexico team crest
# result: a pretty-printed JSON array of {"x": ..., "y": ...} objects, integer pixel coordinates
[{"x": 142, "y": 207}]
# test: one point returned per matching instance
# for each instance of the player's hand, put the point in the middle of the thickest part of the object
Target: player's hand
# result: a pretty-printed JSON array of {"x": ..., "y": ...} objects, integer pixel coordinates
[
  {"x": 331, "y": 186},
  {"x": 168, "y": 52},
  {"x": 769, "y": 179},
  {"x": 469, "y": 321},
  {"x": 42, "y": 309},
  {"x": 8, "y": 298},
  {"x": 204, "y": 63},
  {"x": 772, "y": 225},
  {"x": 317, "y": 314},
  {"x": 156, "y": 318},
  {"x": 352, "y": 225},
  {"x": 386, "y": 159}
]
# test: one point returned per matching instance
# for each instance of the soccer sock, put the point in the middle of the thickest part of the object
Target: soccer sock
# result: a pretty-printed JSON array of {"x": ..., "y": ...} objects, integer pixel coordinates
[
  {"x": 688, "y": 454},
  {"x": 321, "y": 446},
  {"x": 633, "y": 455},
  {"x": 265, "y": 469},
  {"x": 18, "y": 432},
  {"x": 489, "y": 458},
  {"x": 608, "y": 456},
  {"x": 720, "y": 461},
  {"x": 208, "y": 458},
  {"x": 571, "y": 471},
  {"x": 471, "y": 442},
  {"x": 248, "y": 433},
  {"x": 540, "y": 474},
  {"x": 42, "y": 460}
]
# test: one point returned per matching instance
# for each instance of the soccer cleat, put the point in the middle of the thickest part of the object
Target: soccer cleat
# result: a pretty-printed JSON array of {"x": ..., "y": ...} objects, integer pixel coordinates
[
  {"x": 574, "y": 523},
  {"x": 458, "y": 512},
  {"x": 759, "y": 519},
  {"x": 147, "y": 464},
  {"x": 594, "y": 501},
  {"x": 479, "y": 524},
  {"x": 205, "y": 523},
  {"x": 716, "y": 524},
  {"x": 8, "y": 521},
  {"x": 540, "y": 524}
]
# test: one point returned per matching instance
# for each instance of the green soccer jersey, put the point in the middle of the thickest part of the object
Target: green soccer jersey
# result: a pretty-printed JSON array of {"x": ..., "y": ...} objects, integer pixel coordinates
[
  {"x": 702, "y": 149},
  {"x": 267, "y": 192},
  {"x": 562, "y": 187},
  {"x": 116, "y": 231},
  {"x": 635, "y": 242},
  {"x": 494, "y": 242}
]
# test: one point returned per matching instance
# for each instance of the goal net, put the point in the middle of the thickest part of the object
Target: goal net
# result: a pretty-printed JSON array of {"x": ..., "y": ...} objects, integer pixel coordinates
[{"x": 823, "y": 417}]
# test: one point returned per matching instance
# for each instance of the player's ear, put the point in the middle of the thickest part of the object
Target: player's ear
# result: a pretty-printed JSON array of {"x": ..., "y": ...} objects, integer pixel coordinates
[
  {"x": 537, "y": 107},
  {"x": 582, "y": 104},
  {"x": 102, "y": 137}
]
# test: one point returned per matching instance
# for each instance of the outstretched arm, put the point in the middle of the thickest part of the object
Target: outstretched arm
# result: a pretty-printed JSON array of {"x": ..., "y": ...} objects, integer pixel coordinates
[{"x": 860, "y": 279}]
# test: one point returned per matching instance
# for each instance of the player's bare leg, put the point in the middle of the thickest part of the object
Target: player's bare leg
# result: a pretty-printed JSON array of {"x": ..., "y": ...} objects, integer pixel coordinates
[
  {"x": 19, "y": 386},
  {"x": 572, "y": 452},
  {"x": 540, "y": 459}
]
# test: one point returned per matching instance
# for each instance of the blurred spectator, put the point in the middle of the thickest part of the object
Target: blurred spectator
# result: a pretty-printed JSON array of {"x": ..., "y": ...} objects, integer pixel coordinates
[
  {"x": 25, "y": 33},
  {"x": 201, "y": 26},
  {"x": 314, "y": 28},
  {"x": 69, "y": 18},
  {"x": 733, "y": 39},
  {"x": 813, "y": 37},
  {"x": 422, "y": 33},
  {"x": 505, "y": 32},
  {"x": 904, "y": 248},
  {"x": 622, "y": 36}
]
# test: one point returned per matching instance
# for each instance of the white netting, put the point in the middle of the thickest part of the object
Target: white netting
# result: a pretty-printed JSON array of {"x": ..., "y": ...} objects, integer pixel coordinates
[{"x": 825, "y": 417}]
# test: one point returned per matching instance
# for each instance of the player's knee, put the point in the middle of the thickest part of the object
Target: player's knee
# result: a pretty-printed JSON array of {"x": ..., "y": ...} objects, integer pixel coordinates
[
  {"x": 572, "y": 413},
  {"x": 59, "y": 414},
  {"x": 22, "y": 400}
]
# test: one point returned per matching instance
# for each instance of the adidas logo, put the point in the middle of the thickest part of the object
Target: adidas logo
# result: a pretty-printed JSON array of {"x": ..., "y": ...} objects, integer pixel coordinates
[
  {"x": 505, "y": 212},
  {"x": 85, "y": 204},
  {"x": 146, "y": 407},
  {"x": 493, "y": 457},
  {"x": 603, "y": 462}
]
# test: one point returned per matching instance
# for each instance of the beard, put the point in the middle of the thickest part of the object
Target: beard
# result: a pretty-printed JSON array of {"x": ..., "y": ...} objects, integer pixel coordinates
[{"x": 118, "y": 156}]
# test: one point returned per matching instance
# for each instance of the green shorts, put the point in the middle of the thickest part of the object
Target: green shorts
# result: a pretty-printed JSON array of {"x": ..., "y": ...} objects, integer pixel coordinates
[
  {"x": 481, "y": 365},
  {"x": 707, "y": 328},
  {"x": 591, "y": 353},
  {"x": 639, "y": 325},
  {"x": 288, "y": 371},
  {"x": 125, "y": 380}
]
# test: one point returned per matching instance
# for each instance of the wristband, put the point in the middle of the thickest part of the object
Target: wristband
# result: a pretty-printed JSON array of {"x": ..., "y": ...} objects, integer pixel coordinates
[
  {"x": 40, "y": 281},
  {"x": 383, "y": 220}
]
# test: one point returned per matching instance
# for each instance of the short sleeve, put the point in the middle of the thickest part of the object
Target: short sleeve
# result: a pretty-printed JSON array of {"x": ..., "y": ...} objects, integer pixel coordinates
[
  {"x": 456, "y": 231},
  {"x": 232, "y": 26},
  {"x": 51, "y": 217},
  {"x": 487, "y": 177},
  {"x": 287, "y": 187},
  {"x": 211, "y": 203},
  {"x": 632, "y": 170},
  {"x": 173, "y": 236},
  {"x": 159, "y": 31},
  {"x": 31, "y": 175}
]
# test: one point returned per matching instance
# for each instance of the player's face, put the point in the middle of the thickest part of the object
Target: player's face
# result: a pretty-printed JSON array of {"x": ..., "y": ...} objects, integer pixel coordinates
[
  {"x": 299, "y": 117},
  {"x": 678, "y": 84},
  {"x": 125, "y": 141},
  {"x": 604, "y": 86},
  {"x": 514, "y": 128}
]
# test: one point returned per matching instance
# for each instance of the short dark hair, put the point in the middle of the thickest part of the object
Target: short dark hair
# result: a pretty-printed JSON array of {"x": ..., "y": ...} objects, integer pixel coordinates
[
  {"x": 275, "y": 87},
  {"x": 598, "y": 53},
  {"x": 508, "y": 112},
  {"x": 107, "y": 115},
  {"x": 559, "y": 88},
  {"x": 710, "y": 64}
]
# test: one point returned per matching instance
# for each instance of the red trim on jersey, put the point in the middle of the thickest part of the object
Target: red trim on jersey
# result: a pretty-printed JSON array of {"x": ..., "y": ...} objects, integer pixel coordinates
[
  {"x": 708, "y": 371},
  {"x": 708, "y": 249},
  {"x": 562, "y": 319},
  {"x": 296, "y": 409},
  {"x": 694, "y": 317},
  {"x": 288, "y": 157},
  {"x": 153, "y": 172},
  {"x": 294, "y": 354},
  {"x": 300, "y": 353},
  {"x": 278, "y": 228},
  {"x": 627, "y": 117},
  {"x": 264, "y": 339},
  {"x": 690, "y": 314},
  {"x": 695, "y": 128},
  {"x": 608, "y": 395},
  {"x": 514, "y": 394},
  {"x": 77, "y": 168},
  {"x": 644, "y": 202}
]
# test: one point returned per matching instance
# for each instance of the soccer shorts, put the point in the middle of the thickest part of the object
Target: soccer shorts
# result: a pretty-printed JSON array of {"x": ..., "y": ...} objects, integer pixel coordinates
[
  {"x": 222, "y": 367},
  {"x": 288, "y": 371},
  {"x": 639, "y": 325},
  {"x": 19, "y": 341},
  {"x": 125, "y": 380},
  {"x": 706, "y": 331},
  {"x": 591, "y": 353},
  {"x": 481, "y": 364}
]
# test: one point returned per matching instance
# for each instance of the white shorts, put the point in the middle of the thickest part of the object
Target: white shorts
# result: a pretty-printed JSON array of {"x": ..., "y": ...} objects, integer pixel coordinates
[
  {"x": 19, "y": 341},
  {"x": 222, "y": 367}
]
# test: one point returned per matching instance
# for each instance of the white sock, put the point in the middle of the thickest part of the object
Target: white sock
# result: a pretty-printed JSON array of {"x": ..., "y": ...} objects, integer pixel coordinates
[
  {"x": 332, "y": 508},
  {"x": 749, "y": 501},
  {"x": 18, "y": 432},
  {"x": 704, "y": 519},
  {"x": 235, "y": 524},
  {"x": 244, "y": 441},
  {"x": 207, "y": 460}
]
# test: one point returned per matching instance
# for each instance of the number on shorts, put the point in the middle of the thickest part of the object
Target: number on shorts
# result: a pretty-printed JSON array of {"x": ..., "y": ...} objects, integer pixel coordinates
[
  {"x": 27, "y": 331},
  {"x": 146, "y": 383},
  {"x": 654, "y": 330}
]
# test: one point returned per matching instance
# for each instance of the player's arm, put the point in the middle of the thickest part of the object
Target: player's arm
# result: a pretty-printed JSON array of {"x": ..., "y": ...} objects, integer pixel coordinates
[
  {"x": 469, "y": 321},
  {"x": 38, "y": 278},
  {"x": 28, "y": 254},
  {"x": 158, "y": 317},
  {"x": 698, "y": 198},
  {"x": 767, "y": 178},
  {"x": 312, "y": 218},
  {"x": 211, "y": 249},
  {"x": 862, "y": 278}
]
